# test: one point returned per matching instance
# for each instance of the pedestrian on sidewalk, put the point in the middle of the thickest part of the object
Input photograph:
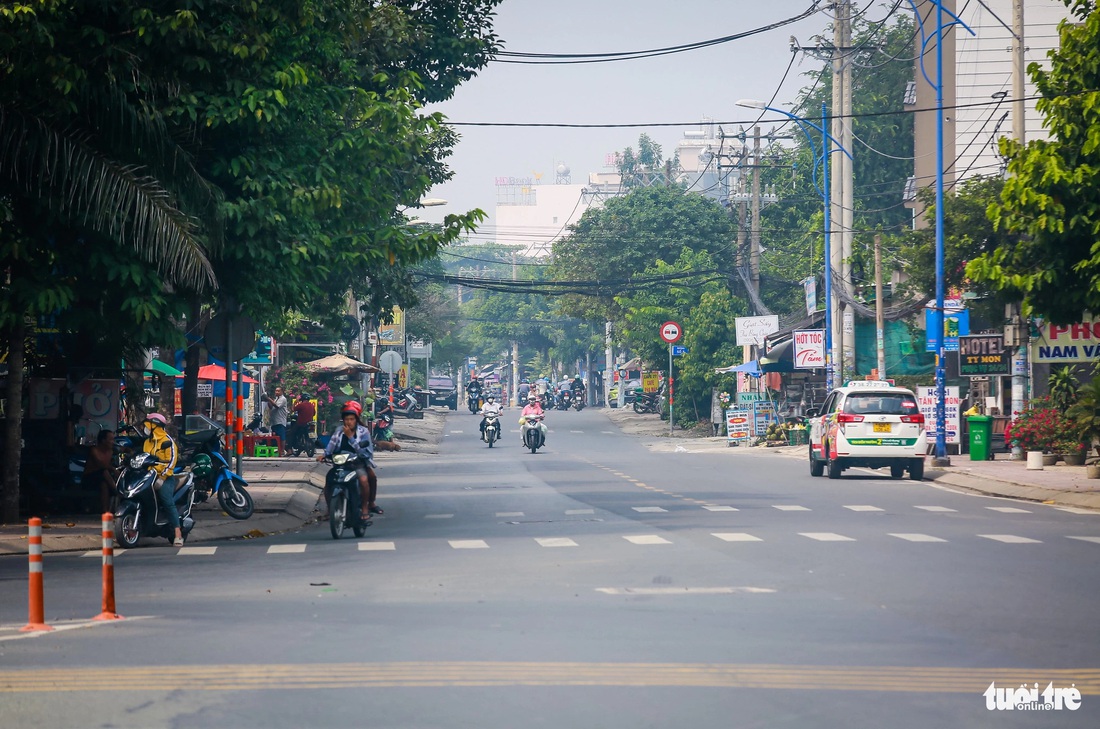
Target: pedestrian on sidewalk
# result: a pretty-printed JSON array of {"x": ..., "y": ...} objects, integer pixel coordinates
[
  {"x": 278, "y": 411},
  {"x": 99, "y": 468}
]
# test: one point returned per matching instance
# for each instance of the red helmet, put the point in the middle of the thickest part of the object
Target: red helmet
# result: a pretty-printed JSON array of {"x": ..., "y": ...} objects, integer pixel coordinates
[{"x": 351, "y": 407}]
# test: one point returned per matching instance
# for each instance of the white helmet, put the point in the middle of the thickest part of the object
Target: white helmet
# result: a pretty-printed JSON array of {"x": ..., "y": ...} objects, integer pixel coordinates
[
  {"x": 489, "y": 399},
  {"x": 532, "y": 398}
]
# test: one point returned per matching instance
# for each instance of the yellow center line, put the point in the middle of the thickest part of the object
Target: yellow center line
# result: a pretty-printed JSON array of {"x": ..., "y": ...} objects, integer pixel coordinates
[{"x": 920, "y": 679}]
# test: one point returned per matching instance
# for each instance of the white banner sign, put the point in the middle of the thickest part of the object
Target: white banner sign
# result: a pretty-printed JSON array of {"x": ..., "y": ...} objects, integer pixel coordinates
[
  {"x": 926, "y": 400},
  {"x": 205, "y": 389},
  {"x": 753, "y": 329},
  {"x": 809, "y": 349},
  {"x": 809, "y": 285}
]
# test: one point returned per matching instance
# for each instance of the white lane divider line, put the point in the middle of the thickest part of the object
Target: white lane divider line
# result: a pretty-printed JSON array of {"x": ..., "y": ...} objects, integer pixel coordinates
[
  {"x": 438, "y": 516},
  {"x": 938, "y": 509},
  {"x": 468, "y": 544},
  {"x": 863, "y": 507},
  {"x": 826, "y": 536},
  {"x": 789, "y": 507},
  {"x": 684, "y": 590},
  {"x": 608, "y": 432},
  {"x": 99, "y": 552},
  {"x": 581, "y": 432},
  {"x": 458, "y": 432},
  {"x": 1008, "y": 509},
  {"x": 736, "y": 537},
  {"x": 918, "y": 538},
  {"x": 516, "y": 430},
  {"x": 377, "y": 546},
  {"x": 286, "y": 549},
  {"x": 509, "y": 514},
  {"x": 1095, "y": 540},
  {"x": 1070, "y": 509},
  {"x": 716, "y": 507},
  {"x": 1009, "y": 539},
  {"x": 648, "y": 509},
  {"x": 577, "y": 512},
  {"x": 646, "y": 539},
  {"x": 555, "y": 542},
  {"x": 196, "y": 551}
]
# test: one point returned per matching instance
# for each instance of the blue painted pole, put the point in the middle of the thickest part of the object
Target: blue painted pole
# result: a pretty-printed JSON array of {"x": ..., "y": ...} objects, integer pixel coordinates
[
  {"x": 941, "y": 375},
  {"x": 825, "y": 151}
]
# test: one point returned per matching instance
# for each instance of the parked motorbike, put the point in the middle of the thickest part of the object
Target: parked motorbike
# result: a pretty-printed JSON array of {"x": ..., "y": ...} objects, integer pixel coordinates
[
  {"x": 344, "y": 504},
  {"x": 646, "y": 402},
  {"x": 492, "y": 428},
  {"x": 301, "y": 440},
  {"x": 405, "y": 403},
  {"x": 230, "y": 488},
  {"x": 532, "y": 432},
  {"x": 565, "y": 400},
  {"x": 139, "y": 513}
]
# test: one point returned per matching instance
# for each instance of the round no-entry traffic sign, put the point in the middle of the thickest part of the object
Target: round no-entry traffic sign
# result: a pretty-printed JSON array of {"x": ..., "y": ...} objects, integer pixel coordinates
[{"x": 671, "y": 332}]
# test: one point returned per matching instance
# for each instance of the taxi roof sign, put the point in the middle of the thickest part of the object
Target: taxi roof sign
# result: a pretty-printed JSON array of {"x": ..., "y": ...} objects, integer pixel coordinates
[{"x": 869, "y": 384}]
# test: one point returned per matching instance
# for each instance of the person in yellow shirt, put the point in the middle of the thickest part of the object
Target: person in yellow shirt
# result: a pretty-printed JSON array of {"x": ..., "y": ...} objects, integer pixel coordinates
[{"x": 163, "y": 448}]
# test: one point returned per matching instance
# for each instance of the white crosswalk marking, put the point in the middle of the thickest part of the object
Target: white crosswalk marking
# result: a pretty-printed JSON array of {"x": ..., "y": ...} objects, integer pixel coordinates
[
  {"x": 1075, "y": 510},
  {"x": 826, "y": 536},
  {"x": 196, "y": 551},
  {"x": 1008, "y": 509},
  {"x": 468, "y": 544},
  {"x": 555, "y": 542},
  {"x": 713, "y": 507},
  {"x": 736, "y": 537},
  {"x": 1009, "y": 539},
  {"x": 1095, "y": 540},
  {"x": 577, "y": 512},
  {"x": 646, "y": 539},
  {"x": 438, "y": 516},
  {"x": 377, "y": 546},
  {"x": 648, "y": 509},
  {"x": 918, "y": 538},
  {"x": 509, "y": 513},
  {"x": 934, "y": 508},
  {"x": 286, "y": 549},
  {"x": 99, "y": 552},
  {"x": 789, "y": 507},
  {"x": 862, "y": 507}
]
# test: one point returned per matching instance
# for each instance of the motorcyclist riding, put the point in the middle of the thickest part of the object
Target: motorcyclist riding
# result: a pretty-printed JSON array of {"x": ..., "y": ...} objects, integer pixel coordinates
[
  {"x": 524, "y": 389},
  {"x": 577, "y": 386},
  {"x": 490, "y": 406},
  {"x": 353, "y": 437},
  {"x": 163, "y": 448},
  {"x": 533, "y": 407},
  {"x": 474, "y": 388}
]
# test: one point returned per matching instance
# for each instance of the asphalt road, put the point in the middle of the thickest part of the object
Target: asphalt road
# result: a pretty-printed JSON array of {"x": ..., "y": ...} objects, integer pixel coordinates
[{"x": 594, "y": 584}]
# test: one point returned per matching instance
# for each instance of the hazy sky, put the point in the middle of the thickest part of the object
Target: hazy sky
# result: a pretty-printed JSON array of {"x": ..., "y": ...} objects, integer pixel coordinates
[{"x": 683, "y": 87}]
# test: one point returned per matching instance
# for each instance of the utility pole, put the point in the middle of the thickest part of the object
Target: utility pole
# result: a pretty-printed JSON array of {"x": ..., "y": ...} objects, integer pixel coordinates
[
  {"x": 847, "y": 202},
  {"x": 836, "y": 194},
  {"x": 879, "y": 319},
  {"x": 754, "y": 233},
  {"x": 1019, "y": 131},
  {"x": 515, "y": 349}
]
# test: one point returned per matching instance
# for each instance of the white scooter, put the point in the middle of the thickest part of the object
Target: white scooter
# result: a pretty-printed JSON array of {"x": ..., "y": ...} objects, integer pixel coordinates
[
  {"x": 533, "y": 432},
  {"x": 492, "y": 428}
]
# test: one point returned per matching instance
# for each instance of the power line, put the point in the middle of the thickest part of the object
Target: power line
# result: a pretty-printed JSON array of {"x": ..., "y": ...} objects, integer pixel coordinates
[{"x": 553, "y": 59}]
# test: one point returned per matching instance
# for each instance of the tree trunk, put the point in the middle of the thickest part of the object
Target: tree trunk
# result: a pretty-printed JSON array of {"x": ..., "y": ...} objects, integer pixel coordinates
[
  {"x": 13, "y": 424},
  {"x": 191, "y": 365}
]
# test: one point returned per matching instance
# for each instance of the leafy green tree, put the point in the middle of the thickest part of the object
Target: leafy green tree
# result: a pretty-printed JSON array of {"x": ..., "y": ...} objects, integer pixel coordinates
[{"x": 1051, "y": 198}]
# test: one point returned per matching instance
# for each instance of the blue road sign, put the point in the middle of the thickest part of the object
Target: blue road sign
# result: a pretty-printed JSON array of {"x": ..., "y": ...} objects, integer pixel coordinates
[{"x": 677, "y": 350}]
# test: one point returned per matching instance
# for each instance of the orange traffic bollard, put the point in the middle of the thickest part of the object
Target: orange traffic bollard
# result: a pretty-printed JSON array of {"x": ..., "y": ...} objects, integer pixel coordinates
[
  {"x": 108, "y": 571},
  {"x": 36, "y": 608}
]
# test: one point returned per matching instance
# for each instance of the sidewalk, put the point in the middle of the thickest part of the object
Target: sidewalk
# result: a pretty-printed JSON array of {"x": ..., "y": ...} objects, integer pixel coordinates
[{"x": 285, "y": 492}]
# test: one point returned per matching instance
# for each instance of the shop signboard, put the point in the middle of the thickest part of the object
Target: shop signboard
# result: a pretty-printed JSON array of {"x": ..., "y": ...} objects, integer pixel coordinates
[
  {"x": 748, "y": 398},
  {"x": 983, "y": 355},
  {"x": 763, "y": 412},
  {"x": 651, "y": 381},
  {"x": 956, "y": 323},
  {"x": 926, "y": 400},
  {"x": 738, "y": 423},
  {"x": 393, "y": 334},
  {"x": 1065, "y": 343},
  {"x": 809, "y": 349},
  {"x": 752, "y": 329}
]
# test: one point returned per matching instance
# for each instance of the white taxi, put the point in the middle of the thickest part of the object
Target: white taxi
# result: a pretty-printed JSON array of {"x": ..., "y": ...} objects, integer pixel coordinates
[{"x": 868, "y": 423}]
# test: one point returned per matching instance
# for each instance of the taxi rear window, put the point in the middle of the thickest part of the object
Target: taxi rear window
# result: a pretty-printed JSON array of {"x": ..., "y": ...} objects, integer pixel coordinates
[{"x": 880, "y": 403}]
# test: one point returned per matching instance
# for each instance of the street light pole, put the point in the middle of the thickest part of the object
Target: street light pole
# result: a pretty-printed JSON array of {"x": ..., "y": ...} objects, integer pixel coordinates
[{"x": 940, "y": 458}]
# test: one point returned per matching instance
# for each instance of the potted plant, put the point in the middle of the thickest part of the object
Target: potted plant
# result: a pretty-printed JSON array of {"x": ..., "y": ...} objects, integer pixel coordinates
[
  {"x": 1085, "y": 413},
  {"x": 1073, "y": 450},
  {"x": 1037, "y": 428}
]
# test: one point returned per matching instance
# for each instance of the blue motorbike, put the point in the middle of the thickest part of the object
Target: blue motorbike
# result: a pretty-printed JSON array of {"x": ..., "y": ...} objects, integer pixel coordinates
[{"x": 230, "y": 488}]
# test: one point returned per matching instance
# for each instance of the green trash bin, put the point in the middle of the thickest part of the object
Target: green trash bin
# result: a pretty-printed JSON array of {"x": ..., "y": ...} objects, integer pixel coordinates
[{"x": 981, "y": 436}]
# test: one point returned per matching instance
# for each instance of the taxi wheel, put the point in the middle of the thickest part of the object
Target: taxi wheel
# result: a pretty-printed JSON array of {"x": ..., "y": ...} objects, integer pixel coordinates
[
  {"x": 835, "y": 468},
  {"x": 916, "y": 469},
  {"x": 897, "y": 471},
  {"x": 817, "y": 468}
]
